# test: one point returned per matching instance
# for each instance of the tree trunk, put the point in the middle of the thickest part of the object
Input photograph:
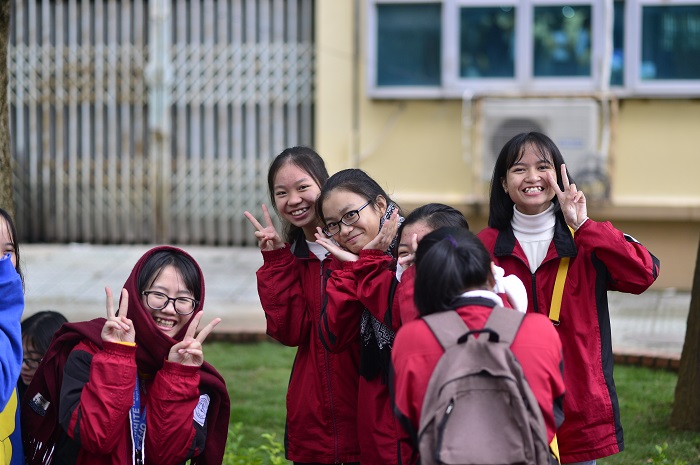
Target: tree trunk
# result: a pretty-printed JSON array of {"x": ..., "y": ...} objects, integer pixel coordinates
[
  {"x": 686, "y": 406},
  {"x": 6, "y": 197}
]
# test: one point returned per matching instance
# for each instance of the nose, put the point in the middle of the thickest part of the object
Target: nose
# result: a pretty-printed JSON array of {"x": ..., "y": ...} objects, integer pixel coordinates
[
  {"x": 294, "y": 198},
  {"x": 169, "y": 307},
  {"x": 533, "y": 175},
  {"x": 345, "y": 228}
]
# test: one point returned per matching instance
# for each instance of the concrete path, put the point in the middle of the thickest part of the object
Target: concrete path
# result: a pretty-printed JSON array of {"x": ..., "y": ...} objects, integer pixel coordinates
[{"x": 71, "y": 279}]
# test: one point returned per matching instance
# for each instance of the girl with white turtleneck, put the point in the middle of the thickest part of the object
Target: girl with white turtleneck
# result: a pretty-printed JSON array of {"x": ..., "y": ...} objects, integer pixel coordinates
[{"x": 536, "y": 219}]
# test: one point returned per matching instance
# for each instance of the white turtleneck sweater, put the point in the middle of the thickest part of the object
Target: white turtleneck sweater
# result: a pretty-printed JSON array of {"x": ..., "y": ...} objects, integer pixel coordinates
[{"x": 534, "y": 232}]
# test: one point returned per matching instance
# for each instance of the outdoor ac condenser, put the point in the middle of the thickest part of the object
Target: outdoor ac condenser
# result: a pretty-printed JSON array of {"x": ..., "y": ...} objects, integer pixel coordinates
[{"x": 573, "y": 125}]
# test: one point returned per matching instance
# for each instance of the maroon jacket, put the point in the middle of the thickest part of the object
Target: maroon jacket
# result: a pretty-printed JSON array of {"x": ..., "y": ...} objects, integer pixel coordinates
[
  {"x": 602, "y": 259},
  {"x": 97, "y": 394},
  {"x": 417, "y": 352},
  {"x": 367, "y": 283},
  {"x": 322, "y": 394}
]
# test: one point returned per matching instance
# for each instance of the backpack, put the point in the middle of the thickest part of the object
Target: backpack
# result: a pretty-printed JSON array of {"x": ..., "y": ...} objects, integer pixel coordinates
[{"x": 478, "y": 407}]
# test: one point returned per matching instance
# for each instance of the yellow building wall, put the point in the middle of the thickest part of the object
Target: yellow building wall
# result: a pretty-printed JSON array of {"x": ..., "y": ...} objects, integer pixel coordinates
[{"x": 416, "y": 149}]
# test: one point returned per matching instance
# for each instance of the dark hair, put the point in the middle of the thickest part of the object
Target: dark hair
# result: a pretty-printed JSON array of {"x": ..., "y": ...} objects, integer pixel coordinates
[
  {"x": 449, "y": 262},
  {"x": 500, "y": 203},
  {"x": 39, "y": 328},
  {"x": 184, "y": 264},
  {"x": 435, "y": 215},
  {"x": 13, "y": 238},
  {"x": 306, "y": 159},
  {"x": 356, "y": 181}
]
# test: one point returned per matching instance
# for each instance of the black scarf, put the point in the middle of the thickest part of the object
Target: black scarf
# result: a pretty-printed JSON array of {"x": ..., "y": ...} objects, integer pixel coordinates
[{"x": 377, "y": 338}]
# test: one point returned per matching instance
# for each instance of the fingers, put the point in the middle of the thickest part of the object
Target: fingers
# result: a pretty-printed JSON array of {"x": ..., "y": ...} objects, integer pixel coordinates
[
  {"x": 564, "y": 177},
  {"x": 268, "y": 218},
  {"x": 252, "y": 219},
  {"x": 552, "y": 180},
  {"x": 109, "y": 302},
  {"x": 414, "y": 242},
  {"x": 194, "y": 323},
  {"x": 124, "y": 303},
  {"x": 207, "y": 329}
]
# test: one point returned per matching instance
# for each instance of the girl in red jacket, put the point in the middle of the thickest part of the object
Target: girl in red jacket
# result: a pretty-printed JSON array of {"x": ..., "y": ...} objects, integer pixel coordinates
[
  {"x": 322, "y": 395},
  {"x": 132, "y": 389},
  {"x": 537, "y": 221},
  {"x": 453, "y": 273},
  {"x": 360, "y": 230}
]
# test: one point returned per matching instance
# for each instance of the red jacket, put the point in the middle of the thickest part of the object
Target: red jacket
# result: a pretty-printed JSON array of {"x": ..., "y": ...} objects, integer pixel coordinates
[
  {"x": 417, "y": 352},
  {"x": 322, "y": 394},
  {"x": 602, "y": 259},
  {"x": 96, "y": 397},
  {"x": 367, "y": 283}
]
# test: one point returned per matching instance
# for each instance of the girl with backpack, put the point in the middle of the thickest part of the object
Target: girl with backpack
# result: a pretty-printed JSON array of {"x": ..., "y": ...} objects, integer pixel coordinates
[
  {"x": 321, "y": 425},
  {"x": 539, "y": 230},
  {"x": 454, "y": 274}
]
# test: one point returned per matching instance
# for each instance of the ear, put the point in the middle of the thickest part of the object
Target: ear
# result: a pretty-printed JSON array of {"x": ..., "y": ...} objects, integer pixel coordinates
[
  {"x": 504, "y": 183},
  {"x": 380, "y": 204}
]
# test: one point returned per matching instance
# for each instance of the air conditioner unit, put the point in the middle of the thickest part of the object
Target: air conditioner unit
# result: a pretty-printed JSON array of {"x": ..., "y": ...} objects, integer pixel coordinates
[{"x": 573, "y": 125}]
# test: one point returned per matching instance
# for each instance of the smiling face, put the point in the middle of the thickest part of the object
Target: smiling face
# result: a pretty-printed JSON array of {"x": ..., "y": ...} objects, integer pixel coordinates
[
  {"x": 526, "y": 182},
  {"x": 354, "y": 237},
  {"x": 169, "y": 281},
  {"x": 295, "y": 193}
]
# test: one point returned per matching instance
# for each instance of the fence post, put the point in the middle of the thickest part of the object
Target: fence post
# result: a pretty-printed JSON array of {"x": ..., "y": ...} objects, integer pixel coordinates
[{"x": 159, "y": 78}]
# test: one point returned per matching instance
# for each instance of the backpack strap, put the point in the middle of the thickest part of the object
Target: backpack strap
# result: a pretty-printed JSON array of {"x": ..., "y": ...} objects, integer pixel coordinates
[
  {"x": 505, "y": 322},
  {"x": 447, "y": 327}
]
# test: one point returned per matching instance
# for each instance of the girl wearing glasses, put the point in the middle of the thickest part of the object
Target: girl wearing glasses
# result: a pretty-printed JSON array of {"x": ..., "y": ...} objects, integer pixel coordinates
[
  {"x": 37, "y": 331},
  {"x": 133, "y": 388},
  {"x": 321, "y": 423},
  {"x": 361, "y": 222},
  {"x": 11, "y": 307}
]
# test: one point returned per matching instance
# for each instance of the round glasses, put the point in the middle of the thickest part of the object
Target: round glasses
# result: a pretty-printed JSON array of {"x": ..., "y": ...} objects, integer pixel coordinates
[
  {"x": 351, "y": 217},
  {"x": 158, "y": 301}
]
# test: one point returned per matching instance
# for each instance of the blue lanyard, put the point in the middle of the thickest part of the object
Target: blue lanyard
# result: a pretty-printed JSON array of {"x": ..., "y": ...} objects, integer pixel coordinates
[{"x": 138, "y": 422}]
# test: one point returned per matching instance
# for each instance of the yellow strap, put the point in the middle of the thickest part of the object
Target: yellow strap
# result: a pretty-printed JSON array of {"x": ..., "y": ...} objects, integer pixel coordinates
[
  {"x": 554, "y": 448},
  {"x": 558, "y": 292}
]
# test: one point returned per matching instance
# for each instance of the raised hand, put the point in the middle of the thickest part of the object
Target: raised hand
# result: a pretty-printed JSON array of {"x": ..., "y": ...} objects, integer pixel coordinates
[
  {"x": 572, "y": 200},
  {"x": 189, "y": 351},
  {"x": 386, "y": 234},
  {"x": 330, "y": 245},
  {"x": 268, "y": 237},
  {"x": 118, "y": 328},
  {"x": 410, "y": 258}
]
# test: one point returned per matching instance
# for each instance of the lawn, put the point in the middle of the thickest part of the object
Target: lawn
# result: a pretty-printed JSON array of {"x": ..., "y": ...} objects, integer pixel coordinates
[{"x": 257, "y": 377}]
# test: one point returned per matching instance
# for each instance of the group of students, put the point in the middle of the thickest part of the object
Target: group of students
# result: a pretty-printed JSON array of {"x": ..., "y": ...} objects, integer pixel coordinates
[
  {"x": 129, "y": 388},
  {"x": 348, "y": 280}
]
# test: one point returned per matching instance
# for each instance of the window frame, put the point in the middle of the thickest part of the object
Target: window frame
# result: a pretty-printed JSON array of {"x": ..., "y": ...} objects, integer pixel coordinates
[
  {"x": 633, "y": 83},
  {"x": 524, "y": 83}
]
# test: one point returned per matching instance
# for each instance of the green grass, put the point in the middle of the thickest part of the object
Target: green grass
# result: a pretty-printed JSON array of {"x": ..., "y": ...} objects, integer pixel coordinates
[
  {"x": 257, "y": 376},
  {"x": 646, "y": 400}
]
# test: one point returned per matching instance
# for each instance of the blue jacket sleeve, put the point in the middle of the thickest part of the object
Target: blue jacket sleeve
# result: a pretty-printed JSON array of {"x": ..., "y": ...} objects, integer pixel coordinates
[{"x": 11, "y": 307}]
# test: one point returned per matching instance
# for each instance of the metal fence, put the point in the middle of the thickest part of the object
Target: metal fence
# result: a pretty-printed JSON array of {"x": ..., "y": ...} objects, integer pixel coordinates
[{"x": 153, "y": 121}]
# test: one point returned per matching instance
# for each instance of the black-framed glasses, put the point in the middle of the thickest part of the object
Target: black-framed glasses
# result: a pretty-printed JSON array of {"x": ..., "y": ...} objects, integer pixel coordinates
[
  {"x": 32, "y": 363},
  {"x": 158, "y": 301},
  {"x": 351, "y": 217}
]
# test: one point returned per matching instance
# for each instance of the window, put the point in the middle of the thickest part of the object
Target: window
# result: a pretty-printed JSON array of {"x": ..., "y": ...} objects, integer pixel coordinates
[{"x": 433, "y": 48}]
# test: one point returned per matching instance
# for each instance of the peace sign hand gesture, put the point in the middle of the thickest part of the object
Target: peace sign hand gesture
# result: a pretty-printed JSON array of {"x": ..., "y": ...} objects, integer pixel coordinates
[
  {"x": 268, "y": 237},
  {"x": 571, "y": 200},
  {"x": 189, "y": 352},
  {"x": 118, "y": 328}
]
